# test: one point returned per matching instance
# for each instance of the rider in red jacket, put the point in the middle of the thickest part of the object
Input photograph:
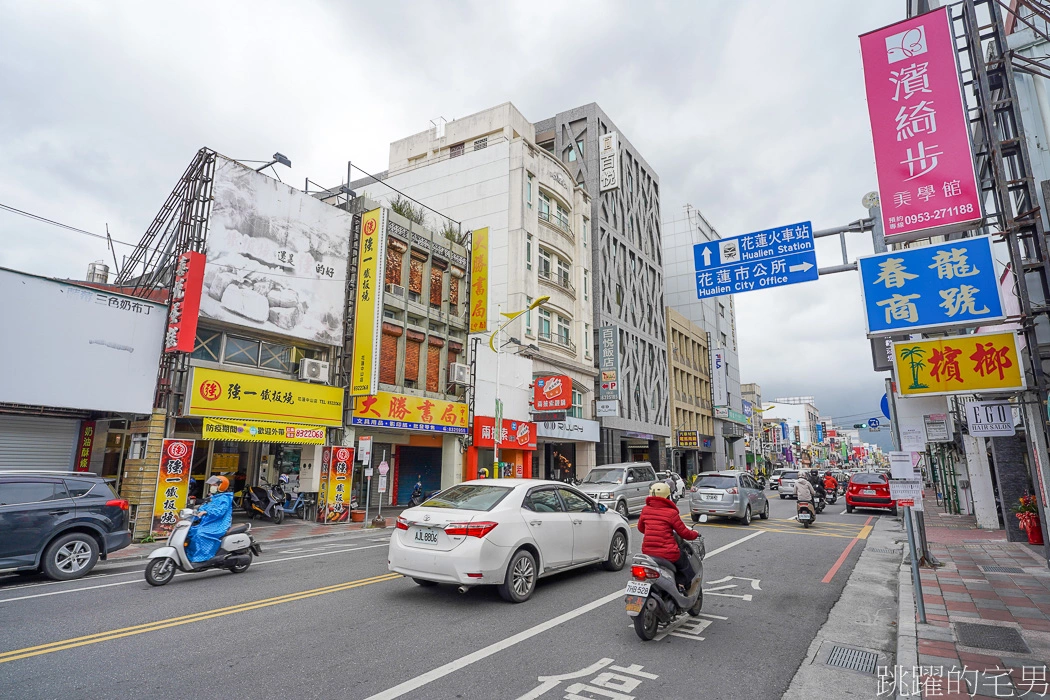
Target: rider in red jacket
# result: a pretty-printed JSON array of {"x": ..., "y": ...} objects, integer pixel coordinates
[{"x": 659, "y": 518}]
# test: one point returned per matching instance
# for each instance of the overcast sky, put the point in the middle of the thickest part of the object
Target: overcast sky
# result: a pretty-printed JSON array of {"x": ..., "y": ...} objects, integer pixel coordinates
[{"x": 752, "y": 112}]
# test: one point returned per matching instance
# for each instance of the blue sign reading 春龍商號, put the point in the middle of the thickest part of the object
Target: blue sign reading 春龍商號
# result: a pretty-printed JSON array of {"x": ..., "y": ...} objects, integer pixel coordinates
[{"x": 952, "y": 284}]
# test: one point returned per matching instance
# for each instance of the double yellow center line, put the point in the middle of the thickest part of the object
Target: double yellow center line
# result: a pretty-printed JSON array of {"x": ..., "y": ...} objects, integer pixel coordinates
[{"x": 16, "y": 654}]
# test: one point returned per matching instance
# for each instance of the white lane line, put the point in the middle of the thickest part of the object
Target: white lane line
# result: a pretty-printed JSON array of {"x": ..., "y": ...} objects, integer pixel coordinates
[
  {"x": 4, "y": 589},
  {"x": 124, "y": 583},
  {"x": 453, "y": 666}
]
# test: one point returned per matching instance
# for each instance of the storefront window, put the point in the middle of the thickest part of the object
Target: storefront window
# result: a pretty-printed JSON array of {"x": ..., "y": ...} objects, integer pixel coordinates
[
  {"x": 241, "y": 351},
  {"x": 278, "y": 357},
  {"x": 138, "y": 447}
]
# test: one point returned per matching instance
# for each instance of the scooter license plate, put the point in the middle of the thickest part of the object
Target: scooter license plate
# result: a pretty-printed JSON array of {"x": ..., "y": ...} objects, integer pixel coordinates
[
  {"x": 638, "y": 588},
  {"x": 634, "y": 604},
  {"x": 803, "y": 516}
]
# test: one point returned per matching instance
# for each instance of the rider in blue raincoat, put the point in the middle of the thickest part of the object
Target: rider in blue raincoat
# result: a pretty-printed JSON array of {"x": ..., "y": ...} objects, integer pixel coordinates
[{"x": 215, "y": 518}]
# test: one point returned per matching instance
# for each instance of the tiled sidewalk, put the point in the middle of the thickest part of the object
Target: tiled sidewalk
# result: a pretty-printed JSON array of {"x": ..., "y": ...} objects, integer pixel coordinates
[{"x": 969, "y": 589}]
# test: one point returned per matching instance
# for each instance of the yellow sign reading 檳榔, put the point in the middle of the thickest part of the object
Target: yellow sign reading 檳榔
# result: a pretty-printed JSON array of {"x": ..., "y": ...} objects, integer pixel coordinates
[
  {"x": 222, "y": 394},
  {"x": 965, "y": 364}
]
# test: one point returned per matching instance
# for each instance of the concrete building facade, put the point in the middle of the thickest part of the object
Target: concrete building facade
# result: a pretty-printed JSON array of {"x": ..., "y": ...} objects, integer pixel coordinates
[{"x": 692, "y": 422}]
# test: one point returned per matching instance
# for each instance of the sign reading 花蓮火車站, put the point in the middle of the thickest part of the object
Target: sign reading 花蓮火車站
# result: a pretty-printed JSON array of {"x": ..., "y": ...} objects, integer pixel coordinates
[{"x": 759, "y": 260}]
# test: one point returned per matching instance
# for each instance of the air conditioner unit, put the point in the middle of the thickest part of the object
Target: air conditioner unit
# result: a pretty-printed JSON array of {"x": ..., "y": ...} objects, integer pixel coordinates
[
  {"x": 313, "y": 370},
  {"x": 459, "y": 374},
  {"x": 395, "y": 290}
]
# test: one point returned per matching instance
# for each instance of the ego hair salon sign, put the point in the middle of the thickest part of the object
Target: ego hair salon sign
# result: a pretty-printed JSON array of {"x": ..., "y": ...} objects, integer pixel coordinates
[{"x": 68, "y": 346}]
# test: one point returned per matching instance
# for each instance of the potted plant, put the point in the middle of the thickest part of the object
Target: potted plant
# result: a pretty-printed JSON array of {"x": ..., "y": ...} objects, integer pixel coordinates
[{"x": 1028, "y": 518}]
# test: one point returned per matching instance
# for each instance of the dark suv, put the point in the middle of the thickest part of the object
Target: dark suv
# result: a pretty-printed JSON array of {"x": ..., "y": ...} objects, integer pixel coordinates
[{"x": 59, "y": 522}]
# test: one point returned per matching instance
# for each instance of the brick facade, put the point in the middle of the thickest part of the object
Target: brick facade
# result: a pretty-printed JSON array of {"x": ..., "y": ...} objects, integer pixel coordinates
[
  {"x": 434, "y": 346},
  {"x": 412, "y": 347},
  {"x": 388, "y": 353}
]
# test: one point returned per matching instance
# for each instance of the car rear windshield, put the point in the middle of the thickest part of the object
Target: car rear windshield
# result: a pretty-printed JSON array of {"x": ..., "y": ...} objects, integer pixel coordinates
[
  {"x": 604, "y": 476},
  {"x": 789, "y": 475},
  {"x": 468, "y": 497},
  {"x": 715, "y": 482},
  {"x": 868, "y": 479}
]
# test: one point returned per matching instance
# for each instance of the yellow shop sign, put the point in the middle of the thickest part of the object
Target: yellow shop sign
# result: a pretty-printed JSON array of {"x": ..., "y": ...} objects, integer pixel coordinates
[
  {"x": 222, "y": 394},
  {"x": 965, "y": 364},
  {"x": 386, "y": 410},
  {"x": 262, "y": 431}
]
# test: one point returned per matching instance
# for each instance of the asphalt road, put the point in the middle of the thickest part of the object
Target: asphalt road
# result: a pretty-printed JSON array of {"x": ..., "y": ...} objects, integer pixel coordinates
[{"x": 326, "y": 619}]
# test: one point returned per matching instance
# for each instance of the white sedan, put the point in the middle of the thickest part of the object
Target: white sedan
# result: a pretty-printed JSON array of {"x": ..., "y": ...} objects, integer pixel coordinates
[{"x": 505, "y": 532}]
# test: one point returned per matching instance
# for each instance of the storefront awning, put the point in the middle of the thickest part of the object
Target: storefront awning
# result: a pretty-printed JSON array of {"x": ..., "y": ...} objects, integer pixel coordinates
[{"x": 262, "y": 431}]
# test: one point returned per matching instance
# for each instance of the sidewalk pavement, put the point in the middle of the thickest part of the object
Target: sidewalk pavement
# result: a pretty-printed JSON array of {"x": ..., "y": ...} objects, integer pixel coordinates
[
  {"x": 988, "y": 616},
  {"x": 291, "y": 530}
]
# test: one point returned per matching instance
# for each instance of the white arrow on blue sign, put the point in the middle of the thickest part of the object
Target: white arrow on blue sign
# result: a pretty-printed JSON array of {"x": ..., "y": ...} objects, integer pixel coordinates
[{"x": 760, "y": 260}]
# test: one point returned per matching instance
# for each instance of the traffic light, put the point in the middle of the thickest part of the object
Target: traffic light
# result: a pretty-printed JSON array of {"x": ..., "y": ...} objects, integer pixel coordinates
[{"x": 858, "y": 425}]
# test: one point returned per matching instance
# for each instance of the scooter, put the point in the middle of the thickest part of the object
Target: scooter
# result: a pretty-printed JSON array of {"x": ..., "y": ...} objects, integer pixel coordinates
[
  {"x": 235, "y": 552},
  {"x": 805, "y": 513},
  {"x": 833, "y": 495},
  {"x": 416, "y": 499},
  {"x": 264, "y": 501},
  {"x": 821, "y": 503},
  {"x": 653, "y": 597}
]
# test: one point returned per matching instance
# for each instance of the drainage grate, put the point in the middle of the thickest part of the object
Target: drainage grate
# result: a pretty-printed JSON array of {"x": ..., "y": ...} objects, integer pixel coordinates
[
  {"x": 991, "y": 637},
  {"x": 1002, "y": 570},
  {"x": 853, "y": 659},
  {"x": 883, "y": 550}
]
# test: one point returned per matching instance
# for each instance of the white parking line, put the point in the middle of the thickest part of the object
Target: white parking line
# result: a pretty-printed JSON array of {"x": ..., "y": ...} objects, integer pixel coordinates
[
  {"x": 485, "y": 652},
  {"x": 124, "y": 583}
]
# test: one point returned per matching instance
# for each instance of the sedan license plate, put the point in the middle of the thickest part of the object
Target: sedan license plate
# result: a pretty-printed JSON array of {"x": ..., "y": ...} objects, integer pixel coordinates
[
  {"x": 634, "y": 604},
  {"x": 426, "y": 536},
  {"x": 803, "y": 516},
  {"x": 710, "y": 496},
  {"x": 638, "y": 588},
  {"x": 868, "y": 492}
]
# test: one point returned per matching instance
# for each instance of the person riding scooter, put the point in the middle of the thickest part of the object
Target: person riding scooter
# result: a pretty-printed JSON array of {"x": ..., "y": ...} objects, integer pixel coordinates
[
  {"x": 659, "y": 519},
  {"x": 805, "y": 491},
  {"x": 831, "y": 485},
  {"x": 215, "y": 517}
]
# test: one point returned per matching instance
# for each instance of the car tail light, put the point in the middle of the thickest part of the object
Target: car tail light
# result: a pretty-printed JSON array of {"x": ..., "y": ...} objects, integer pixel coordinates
[
  {"x": 121, "y": 503},
  {"x": 643, "y": 572},
  {"x": 733, "y": 490},
  {"x": 479, "y": 529},
  {"x": 402, "y": 524}
]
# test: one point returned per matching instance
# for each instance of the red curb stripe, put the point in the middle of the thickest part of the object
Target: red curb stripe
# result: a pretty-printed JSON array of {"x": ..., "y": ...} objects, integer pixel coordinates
[{"x": 842, "y": 557}]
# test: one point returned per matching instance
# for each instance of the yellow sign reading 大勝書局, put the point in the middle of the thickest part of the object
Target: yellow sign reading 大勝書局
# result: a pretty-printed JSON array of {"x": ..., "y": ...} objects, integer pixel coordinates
[
  {"x": 479, "y": 280},
  {"x": 222, "y": 394},
  {"x": 965, "y": 364},
  {"x": 386, "y": 410}
]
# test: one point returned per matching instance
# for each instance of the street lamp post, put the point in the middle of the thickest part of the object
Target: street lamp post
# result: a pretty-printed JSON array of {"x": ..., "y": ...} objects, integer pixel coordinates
[{"x": 496, "y": 348}]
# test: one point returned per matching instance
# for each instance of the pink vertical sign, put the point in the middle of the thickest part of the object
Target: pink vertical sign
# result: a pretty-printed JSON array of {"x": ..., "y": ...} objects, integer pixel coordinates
[{"x": 923, "y": 156}]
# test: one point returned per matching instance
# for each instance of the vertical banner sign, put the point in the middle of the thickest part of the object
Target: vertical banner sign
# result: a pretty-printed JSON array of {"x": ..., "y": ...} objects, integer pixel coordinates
[
  {"x": 609, "y": 363},
  {"x": 173, "y": 482},
  {"x": 368, "y": 309},
  {"x": 608, "y": 162},
  {"x": 923, "y": 155},
  {"x": 82, "y": 457},
  {"x": 479, "y": 280},
  {"x": 185, "y": 303},
  {"x": 336, "y": 475},
  {"x": 364, "y": 449},
  {"x": 719, "y": 381}
]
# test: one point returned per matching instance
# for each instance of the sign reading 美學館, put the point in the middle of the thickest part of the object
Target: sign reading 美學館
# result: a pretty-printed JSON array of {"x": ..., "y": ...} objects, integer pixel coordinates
[
  {"x": 948, "y": 285},
  {"x": 964, "y": 364},
  {"x": 220, "y": 394}
]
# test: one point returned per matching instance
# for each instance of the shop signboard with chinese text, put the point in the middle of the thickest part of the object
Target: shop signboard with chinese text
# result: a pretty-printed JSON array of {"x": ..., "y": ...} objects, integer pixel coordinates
[
  {"x": 388, "y": 410},
  {"x": 759, "y": 260},
  {"x": 609, "y": 363},
  {"x": 936, "y": 426},
  {"x": 368, "y": 308},
  {"x": 516, "y": 434},
  {"x": 965, "y": 364},
  {"x": 608, "y": 162},
  {"x": 262, "y": 431},
  {"x": 333, "y": 504},
  {"x": 479, "y": 280},
  {"x": 948, "y": 285},
  {"x": 221, "y": 394},
  {"x": 185, "y": 305},
  {"x": 173, "y": 481},
  {"x": 364, "y": 449},
  {"x": 552, "y": 393},
  {"x": 82, "y": 457},
  {"x": 990, "y": 418},
  {"x": 919, "y": 127},
  {"x": 688, "y": 438}
]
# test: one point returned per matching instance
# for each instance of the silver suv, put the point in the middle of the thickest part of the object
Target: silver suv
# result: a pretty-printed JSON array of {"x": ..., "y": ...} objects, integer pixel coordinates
[{"x": 622, "y": 487}]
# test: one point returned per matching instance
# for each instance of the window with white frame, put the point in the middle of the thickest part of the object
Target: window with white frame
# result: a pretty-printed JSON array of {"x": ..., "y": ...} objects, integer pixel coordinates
[
  {"x": 586, "y": 285},
  {"x": 545, "y": 206},
  {"x": 586, "y": 223},
  {"x": 545, "y": 263},
  {"x": 528, "y": 189},
  {"x": 528, "y": 316},
  {"x": 545, "y": 324},
  {"x": 528, "y": 251},
  {"x": 563, "y": 330},
  {"x": 577, "y": 404},
  {"x": 563, "y": 216},
  {"x": 564, "y": 272},
  {"x": 587, "y": 339}
]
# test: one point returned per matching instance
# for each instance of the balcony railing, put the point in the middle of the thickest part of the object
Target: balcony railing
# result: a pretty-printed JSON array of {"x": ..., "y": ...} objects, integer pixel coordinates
[
  {"x": 559, "y": 340},
  {"x": 558, "y": 279},
  {"x": 561, "y": 223}
]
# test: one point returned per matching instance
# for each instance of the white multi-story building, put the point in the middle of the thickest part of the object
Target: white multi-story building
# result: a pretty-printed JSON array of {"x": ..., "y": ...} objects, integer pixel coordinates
[{"x": 485, "y": 170}]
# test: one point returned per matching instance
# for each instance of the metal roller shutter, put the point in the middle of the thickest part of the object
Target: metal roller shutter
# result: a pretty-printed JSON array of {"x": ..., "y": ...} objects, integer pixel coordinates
[{"x": 31, "y": 442}]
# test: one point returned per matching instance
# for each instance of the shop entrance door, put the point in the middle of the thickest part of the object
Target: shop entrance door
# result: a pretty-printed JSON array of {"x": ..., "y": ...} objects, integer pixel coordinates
[{"x": 417, "y": 463}]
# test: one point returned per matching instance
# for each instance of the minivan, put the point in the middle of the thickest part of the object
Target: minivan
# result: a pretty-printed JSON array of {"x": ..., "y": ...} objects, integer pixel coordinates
[{"x": 622, "y": 487}]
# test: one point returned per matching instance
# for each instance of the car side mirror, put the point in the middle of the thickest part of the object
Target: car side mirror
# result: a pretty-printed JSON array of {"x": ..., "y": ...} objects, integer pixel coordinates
[{"x": 602, "y": 508}]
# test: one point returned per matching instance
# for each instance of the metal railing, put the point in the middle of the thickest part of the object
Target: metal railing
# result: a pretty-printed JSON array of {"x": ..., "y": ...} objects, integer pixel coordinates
[
  {"x": 558, "y": 339},
  {"x": 558, "y": 222},
  {"x": 558, "y": 279}
]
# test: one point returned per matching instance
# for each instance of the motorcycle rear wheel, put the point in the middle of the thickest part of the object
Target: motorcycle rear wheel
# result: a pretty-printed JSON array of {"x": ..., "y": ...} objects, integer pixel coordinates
[
  {"x": 645, "y": 623},
  {"x": 241, "y": 568},
  {"x": 805, "y": 524}
]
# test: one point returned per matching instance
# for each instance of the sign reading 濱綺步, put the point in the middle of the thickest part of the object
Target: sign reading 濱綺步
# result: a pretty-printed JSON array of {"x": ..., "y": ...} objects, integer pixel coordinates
[
  {"x": 184, "y": 309},
  {"x": 919, "y": 127},
  {"x": 990, "y": 418},
  {"x": 387, "y": 410},
  {"x": 333, "y": 505},
  {"x": 760, "y": 260},
  {"x": 609, "y": 363},
  {"x": 368, "y": 309},
  {"x": 688, "y": 438},
  {"x": 965, "y": 364},
  {"x": 552, "y": 393},
  {"x": 220, "y": 394},
  {"x": 608, "y": 162},
  {"x": 262, "y": 431},
  {"x": 948, "y": 285},
  {"x": 719, "y": 377},
  {"x": 479, "y": 280},
  {"x": 173, "y": 482}
]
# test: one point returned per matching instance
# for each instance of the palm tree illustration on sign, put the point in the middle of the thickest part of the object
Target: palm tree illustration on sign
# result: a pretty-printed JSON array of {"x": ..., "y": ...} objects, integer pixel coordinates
[{"x": 914, "y": 357}]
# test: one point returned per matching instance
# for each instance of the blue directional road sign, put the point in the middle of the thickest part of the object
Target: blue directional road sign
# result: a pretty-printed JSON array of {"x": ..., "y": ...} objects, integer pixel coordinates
[
  {"x": 885, "y": 406},
  {"x": 760, "y": 260},
  {"x": 874, "y": 423}
]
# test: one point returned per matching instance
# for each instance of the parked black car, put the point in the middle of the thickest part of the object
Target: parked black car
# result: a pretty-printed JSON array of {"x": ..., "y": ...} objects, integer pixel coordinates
[{"x": 59, "y": 523}]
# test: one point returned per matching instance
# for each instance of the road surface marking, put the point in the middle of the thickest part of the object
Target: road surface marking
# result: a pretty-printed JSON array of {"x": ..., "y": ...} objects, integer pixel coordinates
[
  {"x": 845, "y": 553},
  {"x": 27, "y": 652},
  {"x": 139, "y": 572},
  {"x": 485, "y": 652}
]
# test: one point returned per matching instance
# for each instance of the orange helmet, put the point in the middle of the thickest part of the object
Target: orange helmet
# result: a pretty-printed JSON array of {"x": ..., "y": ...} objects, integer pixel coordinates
[{"x": 221, "y": 481}]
